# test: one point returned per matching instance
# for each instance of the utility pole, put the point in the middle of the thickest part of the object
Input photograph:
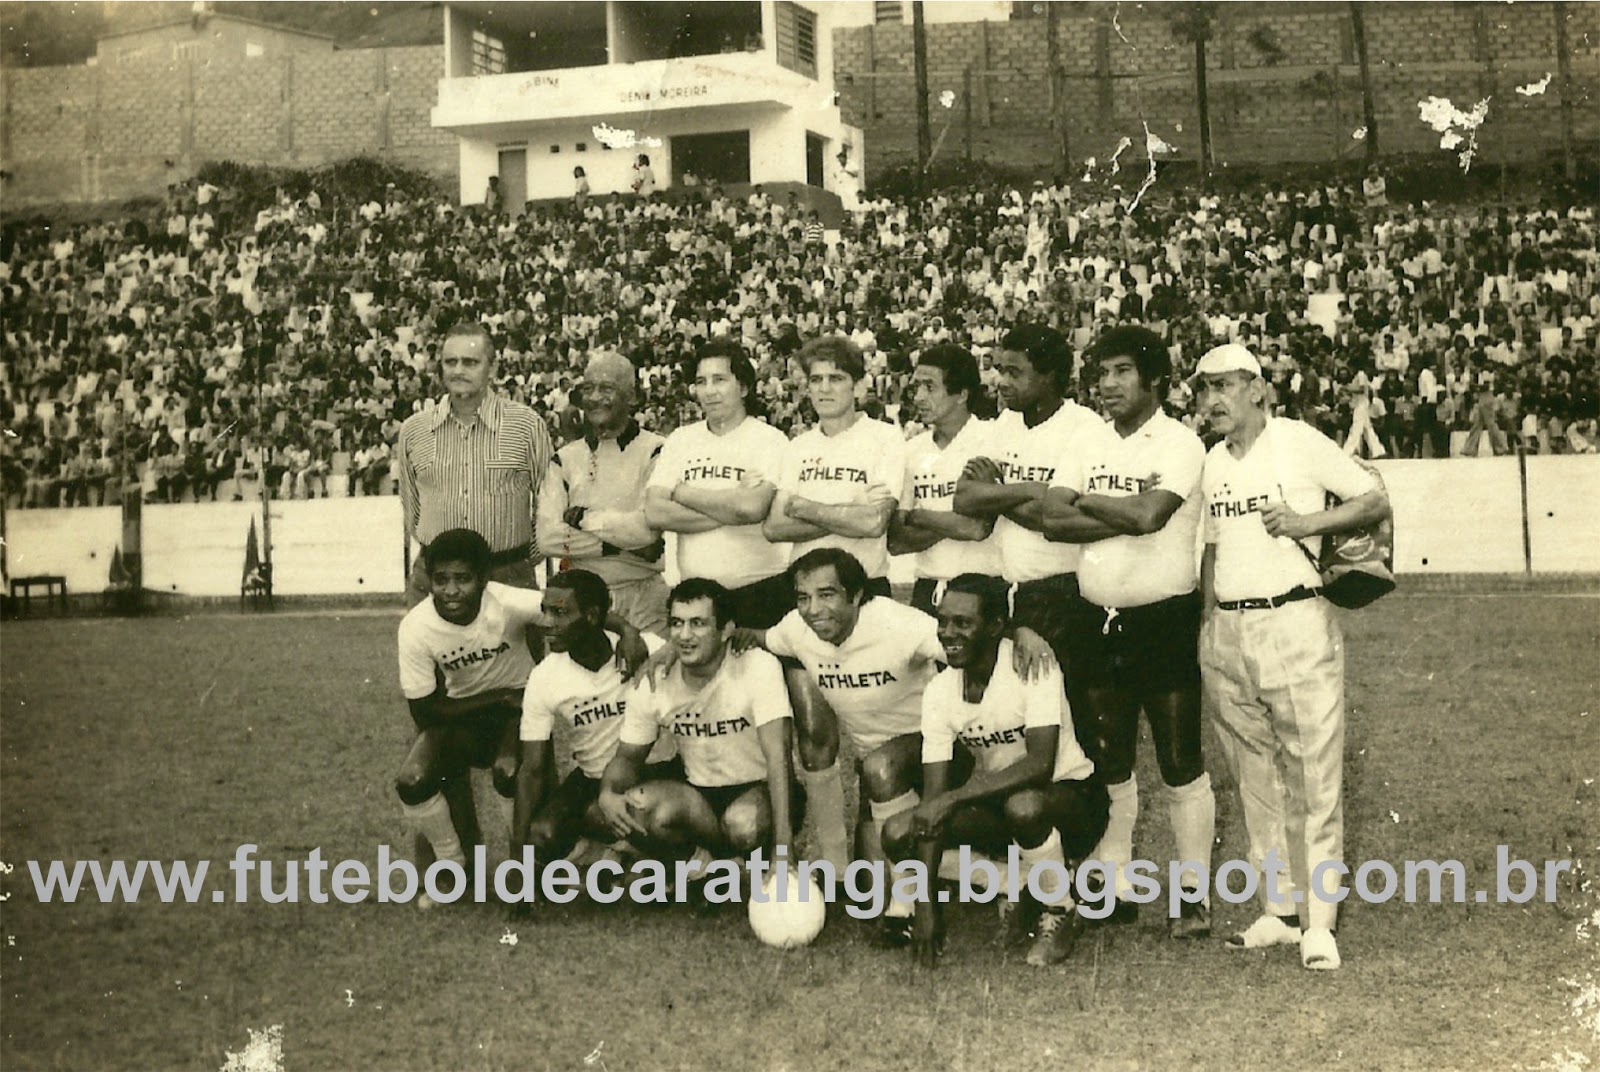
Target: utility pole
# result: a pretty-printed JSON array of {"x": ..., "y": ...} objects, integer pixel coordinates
[
  {"x": 1058, "y": 91},
  {"x": 1564, "y": 69},
  {"x": 919, "y": 52}
]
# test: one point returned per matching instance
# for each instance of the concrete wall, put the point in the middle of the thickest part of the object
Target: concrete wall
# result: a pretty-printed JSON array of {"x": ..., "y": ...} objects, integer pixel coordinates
[
  {"x": 1124, "y": 66},
  {"x": 1462, "y": 515},
  {"x": 117, "y": 131}
]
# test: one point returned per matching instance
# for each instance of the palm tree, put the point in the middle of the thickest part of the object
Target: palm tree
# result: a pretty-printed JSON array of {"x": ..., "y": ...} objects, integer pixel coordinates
[
  {"x": 1192, "y": 23},
  {"x": 1369, "y": 113}
]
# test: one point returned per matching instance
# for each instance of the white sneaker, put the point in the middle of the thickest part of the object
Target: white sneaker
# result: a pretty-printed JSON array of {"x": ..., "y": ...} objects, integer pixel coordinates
[
  {"x": 1319, "y": 950},
  {"x": 1268, "y": 930}
]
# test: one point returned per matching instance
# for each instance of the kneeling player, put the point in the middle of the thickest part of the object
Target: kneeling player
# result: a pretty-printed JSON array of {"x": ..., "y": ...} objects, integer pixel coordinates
[
  {"x": 729, "y": 714},
  {"x": 579, "y": 685},
  {"x": 1031, "y": 784},
  {"x": 463, "y": 664}
]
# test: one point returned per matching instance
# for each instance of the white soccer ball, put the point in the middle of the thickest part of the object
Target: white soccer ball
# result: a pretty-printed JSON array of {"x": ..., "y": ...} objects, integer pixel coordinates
[{"x": 792, "y": 922}]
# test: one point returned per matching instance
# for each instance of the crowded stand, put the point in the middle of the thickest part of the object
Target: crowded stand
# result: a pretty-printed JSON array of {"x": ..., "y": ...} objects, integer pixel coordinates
[{"x": 213, "y": 344}]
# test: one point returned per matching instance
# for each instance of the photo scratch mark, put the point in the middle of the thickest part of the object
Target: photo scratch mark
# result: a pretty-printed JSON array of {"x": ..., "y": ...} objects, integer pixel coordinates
[
  {"x": 263, "y": 1053},
  {"x": 1534, "y": 89}
]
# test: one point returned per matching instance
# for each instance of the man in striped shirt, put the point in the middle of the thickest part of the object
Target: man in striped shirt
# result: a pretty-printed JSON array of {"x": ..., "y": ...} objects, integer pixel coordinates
[{"x": 475, "y": 460}]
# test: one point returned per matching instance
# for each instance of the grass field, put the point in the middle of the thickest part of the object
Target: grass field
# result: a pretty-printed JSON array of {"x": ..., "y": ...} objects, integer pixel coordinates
[{"x": 1474, "y": 722}]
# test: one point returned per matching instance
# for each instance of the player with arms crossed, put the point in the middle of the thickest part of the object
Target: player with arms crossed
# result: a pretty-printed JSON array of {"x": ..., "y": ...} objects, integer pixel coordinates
[
  {"x": 1131, "y": 497},
  {"x": 1271, "y": 651},
  {"x": 714, "y": 482},
  {"x": 729, "y": 714},
  {"x": 837, "y": 487},
  {"x": 944, "y": 388},
  {"x": 581, "y": 686},
  {"x": 1031, "y": 783},
  {"x": 1039, "y": 432}
]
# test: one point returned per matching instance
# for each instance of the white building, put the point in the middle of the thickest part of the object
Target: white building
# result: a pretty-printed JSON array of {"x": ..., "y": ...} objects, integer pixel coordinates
[{"x": 731, "y": 92}]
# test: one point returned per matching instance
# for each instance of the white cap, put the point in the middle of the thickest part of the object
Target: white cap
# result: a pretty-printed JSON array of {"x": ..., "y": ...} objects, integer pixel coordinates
[{"x": 1230, "y": 357}]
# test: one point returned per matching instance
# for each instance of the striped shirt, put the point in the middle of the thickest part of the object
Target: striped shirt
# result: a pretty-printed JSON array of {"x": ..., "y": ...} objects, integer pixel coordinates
[{"x": 481, "y": 475}]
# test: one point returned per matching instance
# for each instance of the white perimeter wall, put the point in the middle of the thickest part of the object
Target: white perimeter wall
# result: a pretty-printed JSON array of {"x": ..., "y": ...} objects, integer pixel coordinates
[{"x": 1458, "y": 515}]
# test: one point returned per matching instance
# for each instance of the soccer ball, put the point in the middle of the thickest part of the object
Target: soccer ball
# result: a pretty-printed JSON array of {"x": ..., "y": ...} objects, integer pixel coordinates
[{"x": 791, "y": 922}]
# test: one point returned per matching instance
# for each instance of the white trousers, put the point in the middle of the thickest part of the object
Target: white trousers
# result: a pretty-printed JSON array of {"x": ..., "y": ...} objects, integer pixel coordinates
[{"x": 1274, "y": 679}]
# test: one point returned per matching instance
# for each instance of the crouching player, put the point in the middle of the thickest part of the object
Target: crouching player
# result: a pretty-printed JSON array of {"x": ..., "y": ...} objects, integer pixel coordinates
[
  {"x": 729, "y": 715},
  {"x": 1031, "y": 783},
  {"x": 580, "y": 686},
  {"x": 463, "y": 666}
]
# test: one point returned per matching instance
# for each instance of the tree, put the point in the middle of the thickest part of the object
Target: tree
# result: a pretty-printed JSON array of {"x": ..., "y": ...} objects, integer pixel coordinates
[
  {"x": 919, "y": 58},
  {"x": 1369, "y": 112},
  {"x": 1193, "y": 23}
]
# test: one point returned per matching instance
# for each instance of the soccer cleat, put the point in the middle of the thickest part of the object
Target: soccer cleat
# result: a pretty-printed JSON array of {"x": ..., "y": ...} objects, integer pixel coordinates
[
  {"x": 1018, "y": 919},
  {"x": 1122, "y": 914},
  {"x": 1267, "y": 931},
  {"x": 1057, "y": 936},
  {"x": 1193, "y": 921},
  {"x": 1319, "y": 950},
  {"x": 699, "y": 903},
  {"x": 894, "y": 932}
]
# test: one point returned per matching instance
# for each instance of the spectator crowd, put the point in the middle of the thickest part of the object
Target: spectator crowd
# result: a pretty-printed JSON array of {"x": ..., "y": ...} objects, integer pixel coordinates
[{"x": 215, "y": 343}]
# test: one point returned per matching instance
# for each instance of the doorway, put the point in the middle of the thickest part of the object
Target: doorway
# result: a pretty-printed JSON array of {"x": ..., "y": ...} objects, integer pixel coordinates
[
  {"x": 514, "y": 179},
  {"x": 723, "y": 157}
]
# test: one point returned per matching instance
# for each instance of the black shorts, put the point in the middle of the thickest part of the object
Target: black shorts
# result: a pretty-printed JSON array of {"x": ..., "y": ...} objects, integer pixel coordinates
[
  {"x": 1078, "y": 809},
  {"x": 720, "y": 797},
  {"x": 473, "y": 739},
  {"x": 577, "y": 791},
  {"x": 763, "y": 604},
  {"x": 1046, "y": 606},
  {"x": 1153, "y": 648}
]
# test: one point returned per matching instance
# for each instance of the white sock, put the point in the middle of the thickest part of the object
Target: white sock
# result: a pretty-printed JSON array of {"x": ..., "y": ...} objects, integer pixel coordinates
[
  {"x": 432, "y": 820},
  {"x": 1192, "y": 809},
  {"x": 882, "y": 812},
  {"x": 1054, "y": 884},
  {"x": 701, "y": 860},
  {"x": 1116, "y": 844},
  {"x": 825, "y": 802}
]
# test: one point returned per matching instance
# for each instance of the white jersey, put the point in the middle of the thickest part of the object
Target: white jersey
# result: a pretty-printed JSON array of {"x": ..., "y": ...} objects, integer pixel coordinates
[
  {"x": 837, "y": 470},
  {"x": 995, "y": 729},
  {"x": 589, "y": 704},
  {"x": 486, "y": 654},
  {"x": 735, "y": 555},
  {"x": 1036, "y": 454},
  {"x": 931, "y": 475},
  {"x": 1289, "y": 462},
  {"x": 715, "y": 726},
  {"x": 1131, "y": 571},
  {"x": 875, "y": 679}
]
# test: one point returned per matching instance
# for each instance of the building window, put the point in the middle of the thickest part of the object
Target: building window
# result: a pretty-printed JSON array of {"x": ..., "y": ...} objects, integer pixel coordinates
[
  {"x": 797, "y": 38},
  {"x": 583, "y": 147},
  {"x": 488, "y": 54},
  {"x": 555, "y": 149},
  {"x": 888, "y": 11},
  {"x": 186, "y": 50}
]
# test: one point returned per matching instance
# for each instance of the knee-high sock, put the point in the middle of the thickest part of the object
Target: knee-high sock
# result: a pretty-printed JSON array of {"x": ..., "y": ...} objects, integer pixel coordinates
[
  {"x": 1116, "y": 844},
  {"x": 1193, "y": 811},
  {"x": 1052, "y": 882},
  {"x": 882, "y": 812},
  {"x": 432, "y": 820},
  {"x": 825, "y": 802}
]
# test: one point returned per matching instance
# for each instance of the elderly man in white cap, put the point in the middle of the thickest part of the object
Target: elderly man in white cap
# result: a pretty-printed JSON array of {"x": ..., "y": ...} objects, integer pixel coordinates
[
  {"x": 591, "y": 509},
  {"x": 1271, "y": 652}
]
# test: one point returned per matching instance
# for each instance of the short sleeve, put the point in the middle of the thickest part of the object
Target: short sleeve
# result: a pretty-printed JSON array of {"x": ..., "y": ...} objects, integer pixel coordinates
[
  {"x": 1332, "y": 468},
  {"x": 668, "y": 464},
  {"x": 888, "y": 465},
  {"x": 1208, "y": 524},
  {"x": 923, "y": 631},
  {"x": 938, "y": 739},
  {"x": 522, "y": 605},
  {"x": 789, "y": 468},
  {"x": 1182, "y": 459},
  {"x": 538, "y": 717},
  {"x": 639, "y": 717},
  {"x": 1044, "y": 700},
  {"x": 418, "y": 678},
  {"x": 783, "y": 639},
  {"x": 762, "y": 679}
]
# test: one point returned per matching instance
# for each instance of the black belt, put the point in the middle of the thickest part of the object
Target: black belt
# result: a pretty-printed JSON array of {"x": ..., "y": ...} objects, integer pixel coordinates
[
  {"x": 1293, "y": 595},
  {"x": 511, "y": 556}
]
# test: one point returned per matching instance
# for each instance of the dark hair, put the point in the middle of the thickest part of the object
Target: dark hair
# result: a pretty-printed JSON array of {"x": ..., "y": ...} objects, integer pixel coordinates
[
  {"x": 744, "y": 370},
  {"x": 1148, "y": 350},
  {"x": 958, "y": 367},
  {"x": 838, "y": 349},
  {"x": 847, "y": 567},
  {"x": 1046, "y": 349},
  {"x": 704, "y": 588},
  {"x": 469, "y": 328},
  {"x": 991, "y": 593},
  {"x": 458, "y": 545},
  {"x": 590, "y": 590}
]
